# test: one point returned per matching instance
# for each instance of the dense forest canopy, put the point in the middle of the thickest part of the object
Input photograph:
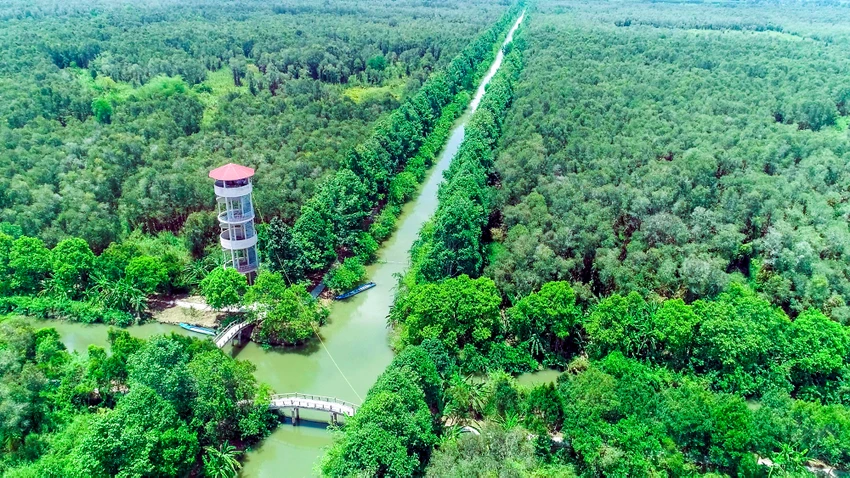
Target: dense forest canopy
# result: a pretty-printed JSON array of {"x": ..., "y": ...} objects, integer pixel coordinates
[
  {"x": 665, "y": 148},
  {"x": 113, "y": 112}
]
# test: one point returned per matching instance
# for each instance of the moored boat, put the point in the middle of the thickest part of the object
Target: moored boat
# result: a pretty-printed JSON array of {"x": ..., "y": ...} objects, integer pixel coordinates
[
  {"x": 356, "y": 291},
  {"x": 198, "y": 329}
]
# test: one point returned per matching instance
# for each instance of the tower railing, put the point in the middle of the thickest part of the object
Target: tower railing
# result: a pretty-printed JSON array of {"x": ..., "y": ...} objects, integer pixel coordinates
[{"x": 236, "y": 215}]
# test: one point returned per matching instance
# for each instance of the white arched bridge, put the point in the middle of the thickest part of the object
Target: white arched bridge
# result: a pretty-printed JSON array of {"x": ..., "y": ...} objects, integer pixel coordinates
[
  {"x": 303, "y": 401},
  {"x": 229, "y": 333}
]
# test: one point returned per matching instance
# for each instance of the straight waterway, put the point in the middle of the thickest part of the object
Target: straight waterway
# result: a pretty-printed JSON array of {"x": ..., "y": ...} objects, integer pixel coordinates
[{"x": 356, "y": 335}]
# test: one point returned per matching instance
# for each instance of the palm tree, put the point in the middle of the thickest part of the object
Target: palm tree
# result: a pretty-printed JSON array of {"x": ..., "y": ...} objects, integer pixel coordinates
[
  {"x": 789, "y": 462},
  {"x": 222, "y": 462},
  {"x": 466, "y": 397},
  {"x": 509, "y": 421},
  {"x": 195, "y": 271},
  {"x": 120, "y": 294},
  {"x": 450, "y": 434}
]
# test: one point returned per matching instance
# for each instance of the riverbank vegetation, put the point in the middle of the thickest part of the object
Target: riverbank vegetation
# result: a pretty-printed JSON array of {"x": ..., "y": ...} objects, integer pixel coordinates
[
  {"x": 167, "y": 406},
  {"x": 70, "y": 282},
  {"x": 659, "y": 212},
  {"x": 382, "y": 439}
]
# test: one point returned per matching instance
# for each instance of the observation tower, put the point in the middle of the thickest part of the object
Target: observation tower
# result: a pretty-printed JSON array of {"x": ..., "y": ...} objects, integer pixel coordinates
[{"x": 236, "y": 218}]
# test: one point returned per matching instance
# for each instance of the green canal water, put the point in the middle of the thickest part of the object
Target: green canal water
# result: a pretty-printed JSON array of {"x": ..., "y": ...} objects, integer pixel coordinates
[{"x": 356, "y": 336}]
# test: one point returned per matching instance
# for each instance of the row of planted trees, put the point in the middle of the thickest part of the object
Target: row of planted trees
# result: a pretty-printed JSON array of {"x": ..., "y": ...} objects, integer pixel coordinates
[
  {"x": 380, "y": 173},
  {"x": 396, "y": 429},
  {"x": 452, "y": 243}
]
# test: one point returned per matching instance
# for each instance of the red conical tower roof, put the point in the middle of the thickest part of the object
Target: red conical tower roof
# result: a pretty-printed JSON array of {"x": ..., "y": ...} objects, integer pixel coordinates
[{"x": 231, "y": 172}]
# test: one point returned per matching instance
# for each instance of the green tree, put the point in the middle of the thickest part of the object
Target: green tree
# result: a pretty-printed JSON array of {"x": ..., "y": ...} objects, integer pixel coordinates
[
  {"x": 143, "y": 436},
  {"x": 102, "y": 110},
  {"x": 224, "y": 402},
  {"x": 30, "y": 262},
  {"x": 545, "y": 405},
  {"x": 621, "y": 323},
  {"x": 343, "y": 277},
  {"x": 72, "y": 263},
  {"x": 113, "y": 261},
  {"x": 285, "y": 314},
  {"x": 344, "y": 197},
  {"x": 817, "y": 351},
  {"x": 146, "y": 273},
  {"x": 741, "y": 338},
  {"x": 223, "y": 287},
  {"x": 313, "y": 236},
  {"x": 456, "y": 311},
  {"x": 717, "y": 427},
  {"x": 199, "y": 231},
  {"x": 377, "y": 62},
  {"x": 673, "y": 330},
  {"x": 421, "y": 368},
  {"x": 282, "y": 251},
  {"x": 391, "y": 434},
  {"x": 546, "y": 319},
  {"x": 456, "y": 243},
  {"x": 6, "y": 242},
  {"x": 162, "y": 365}
]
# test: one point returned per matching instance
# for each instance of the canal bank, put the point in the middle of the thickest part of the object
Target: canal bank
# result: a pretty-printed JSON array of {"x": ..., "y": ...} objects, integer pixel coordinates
[{"x": 355, "y": 342}]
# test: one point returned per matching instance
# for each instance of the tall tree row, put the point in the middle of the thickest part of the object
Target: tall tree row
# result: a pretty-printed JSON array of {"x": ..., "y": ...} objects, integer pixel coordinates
[{"x": 334, "y": 219}]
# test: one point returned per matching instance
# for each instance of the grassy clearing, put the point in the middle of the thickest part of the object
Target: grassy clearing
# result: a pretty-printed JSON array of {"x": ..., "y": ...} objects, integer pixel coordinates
[
  {"x": 360, "y": 93},
  {"x": 217, "y": 84},
  {"x": 104, "y": 86},
  {"x": 843, "y": 123}
]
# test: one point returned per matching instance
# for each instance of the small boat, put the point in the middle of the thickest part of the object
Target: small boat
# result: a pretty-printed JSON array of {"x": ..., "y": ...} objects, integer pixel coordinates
[
  {"x": 197, "y": 329},
  {"x": 356, "y": 291}
]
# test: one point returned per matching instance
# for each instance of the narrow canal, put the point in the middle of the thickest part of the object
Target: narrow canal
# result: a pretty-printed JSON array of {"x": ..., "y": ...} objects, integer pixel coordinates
[{"x": 356, "y": 337}]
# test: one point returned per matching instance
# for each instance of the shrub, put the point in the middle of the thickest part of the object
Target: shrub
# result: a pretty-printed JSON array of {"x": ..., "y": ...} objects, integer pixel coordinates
[
  {"x": 345, "y": 276},
  {"x": 384, "y": 225}
]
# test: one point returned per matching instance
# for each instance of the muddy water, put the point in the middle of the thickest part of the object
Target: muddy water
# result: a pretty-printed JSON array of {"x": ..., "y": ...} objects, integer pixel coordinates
[{"x": 356, "y": 340}]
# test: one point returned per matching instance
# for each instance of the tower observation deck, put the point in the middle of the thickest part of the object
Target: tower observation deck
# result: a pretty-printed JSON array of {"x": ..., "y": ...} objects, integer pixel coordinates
[{"x": 236, "y": 217}]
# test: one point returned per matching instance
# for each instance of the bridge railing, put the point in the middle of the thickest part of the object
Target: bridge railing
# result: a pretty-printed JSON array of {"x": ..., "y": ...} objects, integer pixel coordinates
[
  {"x": 230, "y": 331},
  {"x": 318, "y": 398}
]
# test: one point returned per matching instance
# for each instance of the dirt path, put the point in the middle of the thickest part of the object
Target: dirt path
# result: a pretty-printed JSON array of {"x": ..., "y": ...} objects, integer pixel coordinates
[{"x": 188, "y": 309}]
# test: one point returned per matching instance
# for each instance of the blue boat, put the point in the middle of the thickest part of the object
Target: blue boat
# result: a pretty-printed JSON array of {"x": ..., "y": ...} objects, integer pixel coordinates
[
  {"x": 356, "y": 291},
  {"x": 197, "y": 329}
]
